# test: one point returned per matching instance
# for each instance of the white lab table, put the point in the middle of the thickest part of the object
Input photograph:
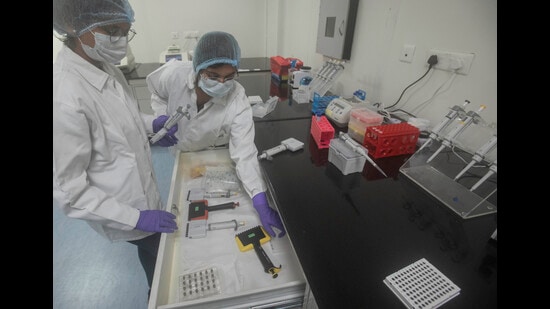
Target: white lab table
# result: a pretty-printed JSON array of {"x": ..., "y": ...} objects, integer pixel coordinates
[{"x": 243, "y": 282}]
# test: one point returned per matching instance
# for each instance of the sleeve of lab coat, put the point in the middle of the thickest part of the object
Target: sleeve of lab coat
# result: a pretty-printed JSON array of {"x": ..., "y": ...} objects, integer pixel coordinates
[
  {"x": 71, "y": 157},
  {"x": 160, "y": 83},
  {"x": 242, "y": 149}
]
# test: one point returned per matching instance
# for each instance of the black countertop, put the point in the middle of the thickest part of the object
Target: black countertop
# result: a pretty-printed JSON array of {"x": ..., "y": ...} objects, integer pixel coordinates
[
  {"x": 352, "y": 231},
  {"x": 252, "y": 64}
]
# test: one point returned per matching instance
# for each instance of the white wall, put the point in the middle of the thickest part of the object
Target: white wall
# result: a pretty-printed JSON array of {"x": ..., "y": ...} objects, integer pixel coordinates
[
  {"x": 384, "y": 26},
  {"x": 288, "y": 28}
]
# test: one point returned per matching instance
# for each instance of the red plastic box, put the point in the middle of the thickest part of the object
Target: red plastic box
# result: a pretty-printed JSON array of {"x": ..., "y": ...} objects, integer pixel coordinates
[
  {"x": 280, "y": 66},
  {"x": 391, "y": 139},
  {"x": 322, "y": 131}
]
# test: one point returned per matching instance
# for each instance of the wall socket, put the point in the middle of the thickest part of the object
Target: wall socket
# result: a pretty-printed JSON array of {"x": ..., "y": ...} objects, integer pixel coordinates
[
  {"x": 407, "y": 53},
  {"x": 450, "y": 61}
]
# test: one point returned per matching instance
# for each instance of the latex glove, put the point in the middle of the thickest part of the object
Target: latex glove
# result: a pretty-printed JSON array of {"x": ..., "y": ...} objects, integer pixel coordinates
[
  {"x": 156, "y": 221},
  {"x": 169, "y": 139},
  {"x": 268, "y": 216}
]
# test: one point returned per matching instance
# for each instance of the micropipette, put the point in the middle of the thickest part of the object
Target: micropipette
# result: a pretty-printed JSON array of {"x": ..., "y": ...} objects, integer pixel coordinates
[
  {"x": 479, "y": 155},
  {"x": 291, "y": 144},
  {"x": 451, "y": 115},
  {"x": 471, "y": 117},
  {"x": 174, "y": 118},
  {"x": 492, "y": 170},
  {"x": 360, "y": 150}
]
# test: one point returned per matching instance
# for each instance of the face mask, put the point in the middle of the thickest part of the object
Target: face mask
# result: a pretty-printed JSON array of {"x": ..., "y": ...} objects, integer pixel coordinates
[
  {"x": 214, "y": 88},
  {"x": 105, "y": 50}
]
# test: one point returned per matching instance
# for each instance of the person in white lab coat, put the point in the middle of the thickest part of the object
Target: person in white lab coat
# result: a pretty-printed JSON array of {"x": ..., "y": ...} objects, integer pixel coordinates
[
  {"x": 219, "y": 110},
  {"x": 102, "y": 165}
]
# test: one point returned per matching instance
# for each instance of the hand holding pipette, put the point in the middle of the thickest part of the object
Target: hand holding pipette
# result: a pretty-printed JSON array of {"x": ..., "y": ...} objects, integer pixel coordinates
[{"x": 173, "y": 120}]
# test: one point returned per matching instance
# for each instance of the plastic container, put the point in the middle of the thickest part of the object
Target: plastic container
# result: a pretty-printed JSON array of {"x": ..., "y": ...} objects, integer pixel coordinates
[
  {"x": 360, "y": 119},
  {"x": 280, "y": 66},
  {"x": 322, "y": 131},
  {"x": 297, "y": 76},
  {"x": 344, "y": 158},
  {"x": 391, "y": 139}
]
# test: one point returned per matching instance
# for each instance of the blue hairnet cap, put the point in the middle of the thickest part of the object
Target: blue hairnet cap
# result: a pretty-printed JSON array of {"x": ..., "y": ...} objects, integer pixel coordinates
[
  {"x": 74, "y": 17},
  {"x": 216, "y": 47}
]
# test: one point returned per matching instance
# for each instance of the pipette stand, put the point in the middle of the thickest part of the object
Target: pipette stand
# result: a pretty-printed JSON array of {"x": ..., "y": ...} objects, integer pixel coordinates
[{"x": 437, "y": 178}]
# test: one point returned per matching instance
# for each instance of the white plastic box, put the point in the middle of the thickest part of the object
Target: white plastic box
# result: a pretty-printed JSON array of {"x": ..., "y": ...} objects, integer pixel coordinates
[{"x": 344, "y": 158}]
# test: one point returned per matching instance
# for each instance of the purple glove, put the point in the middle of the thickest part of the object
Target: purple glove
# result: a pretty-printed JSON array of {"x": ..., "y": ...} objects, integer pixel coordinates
[
  {"x": 156, "y": 221},
  {"x": 169, "y": 138},
  {"x": 268, "y": 215}
]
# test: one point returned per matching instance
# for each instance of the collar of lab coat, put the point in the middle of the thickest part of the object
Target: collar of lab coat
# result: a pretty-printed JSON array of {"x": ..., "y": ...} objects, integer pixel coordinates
[{"x": 88, "y": 71}]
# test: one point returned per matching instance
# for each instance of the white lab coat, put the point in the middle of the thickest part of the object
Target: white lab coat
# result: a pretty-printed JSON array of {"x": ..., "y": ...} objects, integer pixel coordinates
[
  {"x": 222, "y": 121},
  {"x": 102, "y": 166}
]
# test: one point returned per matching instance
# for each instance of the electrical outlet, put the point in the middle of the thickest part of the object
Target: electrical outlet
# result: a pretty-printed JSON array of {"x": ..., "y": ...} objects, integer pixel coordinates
[
  {"x": 452, "y": 61},
  {"x": 407, "y": 53}
]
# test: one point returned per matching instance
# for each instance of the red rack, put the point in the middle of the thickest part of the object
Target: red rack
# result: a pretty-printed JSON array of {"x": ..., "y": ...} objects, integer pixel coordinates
[
  {"x": 322, "y": 131},
  {"x": 391, "y": 139}
]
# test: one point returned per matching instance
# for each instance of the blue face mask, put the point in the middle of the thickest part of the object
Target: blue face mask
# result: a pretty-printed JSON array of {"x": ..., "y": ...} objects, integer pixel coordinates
[
  {"x": 105, "y": 50},
  {"x": 214, "y": 88}
]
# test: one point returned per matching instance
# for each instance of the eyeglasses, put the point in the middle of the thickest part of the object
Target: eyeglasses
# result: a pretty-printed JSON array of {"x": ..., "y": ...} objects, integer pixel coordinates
[
  {"x": 115, "y": 33},
  {"x": 222, "y": 79}
]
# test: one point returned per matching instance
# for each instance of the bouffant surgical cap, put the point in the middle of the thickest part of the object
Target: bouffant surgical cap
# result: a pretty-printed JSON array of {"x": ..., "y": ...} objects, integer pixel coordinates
[
  {"x": 216, "y": 47},
  {"x": 74, "y": 17}
]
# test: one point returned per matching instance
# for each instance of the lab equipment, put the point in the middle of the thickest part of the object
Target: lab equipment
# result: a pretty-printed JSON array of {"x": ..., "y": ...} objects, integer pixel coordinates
[
  {"x": 198, "y": 228},
  {"x": 344, "y": 157},
  {"x": 325, "y": 78},
  {"x": 298, "y": 75},
  {"x": 260, "y": 109},
  {"x": 450, "y": 117},
  {"x": 339, "y": 110},
  {"x": 492, "y": 170},
  {"x": 199, "y": 284},
  {"x": 359, "y": 120},
  {"x": 322, "y": 131},
  {"x": 254, "y": 238},
  {"x": 196, "y": 194},
  {"x": 336, "y": 27},
  {"x": 280, "y": 66},
  {"x": 479, "y": 155},
  {"x": 291, "y": 144},
  {"x": 172, "y": 52},
  {"x": 174, "y": 118},
  {"x": 360, "y": 150},
  {"x": 320, "y": 103},
  {"x": 198, "y": 210},
  {"x": 255, "y": 99},
  {"x": 392, "y": 139},
  {"x": 448, "y": 140},
  {"x": 421, "y": 285}
]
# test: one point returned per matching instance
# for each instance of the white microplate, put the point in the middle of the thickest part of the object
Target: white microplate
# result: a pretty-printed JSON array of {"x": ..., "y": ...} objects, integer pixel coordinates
[
  {"x": 421, "y": 285},
  {"x": 199, "y": 284}
]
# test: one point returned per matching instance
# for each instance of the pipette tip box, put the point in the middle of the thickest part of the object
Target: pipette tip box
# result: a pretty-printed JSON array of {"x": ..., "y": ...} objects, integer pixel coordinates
[{"x": 344, "y": 158}]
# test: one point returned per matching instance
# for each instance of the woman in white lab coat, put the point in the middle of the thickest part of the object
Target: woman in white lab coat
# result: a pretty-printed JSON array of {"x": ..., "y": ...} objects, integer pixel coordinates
[
  {"x": 219, "y": 112},
  {"x": 102, "y": 167}
]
